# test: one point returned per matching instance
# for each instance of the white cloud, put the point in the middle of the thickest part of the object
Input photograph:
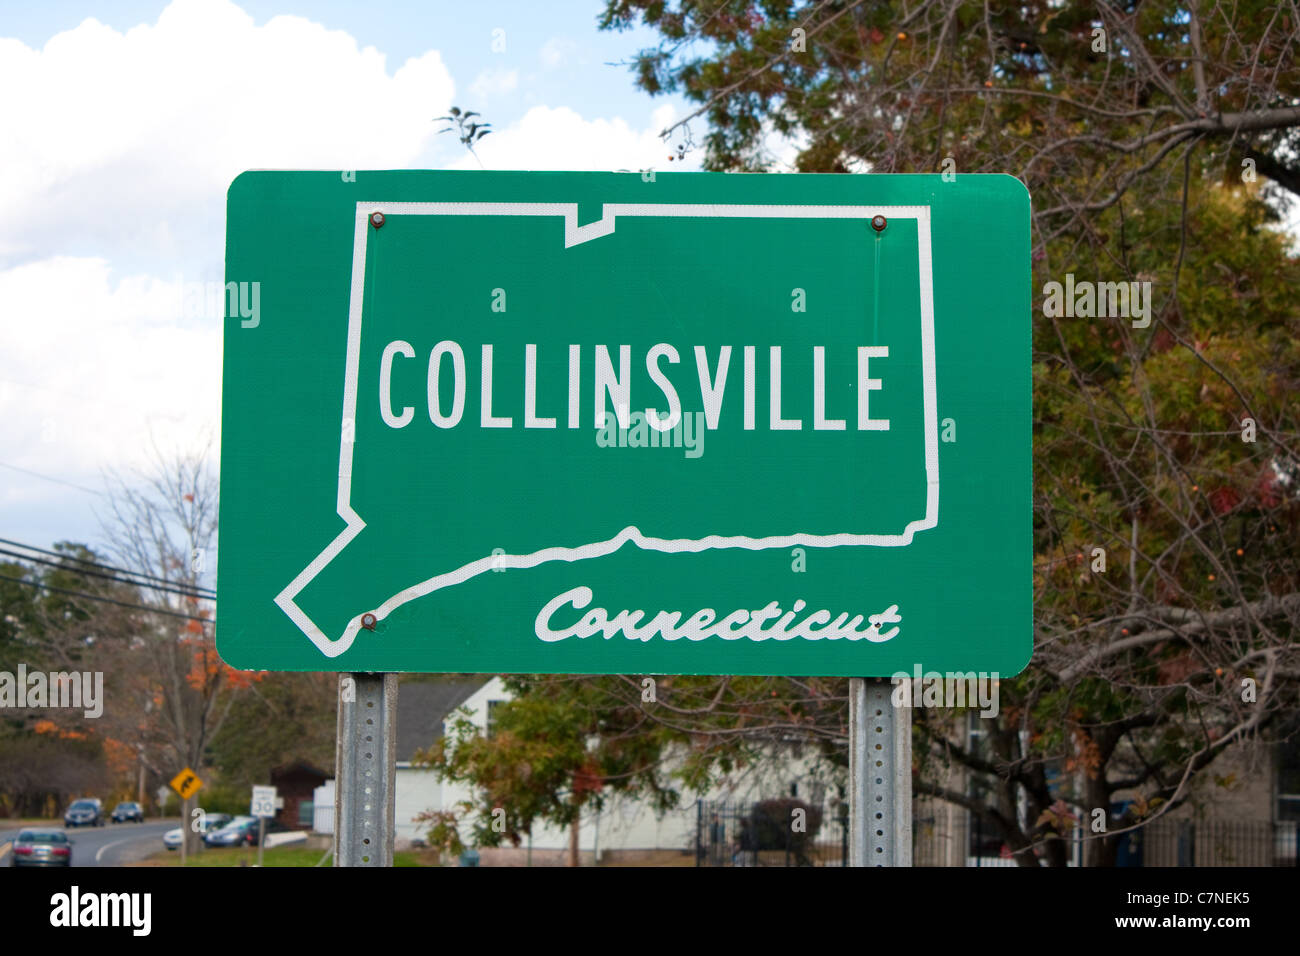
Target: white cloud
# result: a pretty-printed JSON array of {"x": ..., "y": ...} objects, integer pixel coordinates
[
  {"x": 559, "y": 138},
  {"x": 780, "y": 151},
  {"x": 493, "y": 83},
  {"x": 556, "y": 51},
  {"x": 117, "y": 157},
  {"x": 97, "y": 369},
  {"x": 132, "y": 138}
]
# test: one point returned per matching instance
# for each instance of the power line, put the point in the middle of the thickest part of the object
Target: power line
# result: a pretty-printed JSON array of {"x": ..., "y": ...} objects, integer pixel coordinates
[
  {"x": 57, "y": 481},
  {"x": 96, "y": 564},
  {"x": 100, "y": 574},
  {"x": 95, "y": 597}
]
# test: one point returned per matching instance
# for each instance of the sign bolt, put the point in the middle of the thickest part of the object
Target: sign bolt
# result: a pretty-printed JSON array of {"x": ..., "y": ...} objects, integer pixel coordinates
[
  {"x": 368, "y": 620},
  {"x": 878, "y": 223},
  {"x": 377, "y": 220}
]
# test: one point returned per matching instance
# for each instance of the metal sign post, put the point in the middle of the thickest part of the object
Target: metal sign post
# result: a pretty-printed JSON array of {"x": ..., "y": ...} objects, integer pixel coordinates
[
  {"x": 187, "y": 821},
  {"x": 365, "y": 770},
  {"x": 263, "y": 806},
  {"x": 880, "y": 776}
]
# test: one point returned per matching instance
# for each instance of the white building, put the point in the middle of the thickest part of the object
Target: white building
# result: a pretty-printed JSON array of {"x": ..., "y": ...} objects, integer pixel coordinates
[{"x": 425, "y": 708}]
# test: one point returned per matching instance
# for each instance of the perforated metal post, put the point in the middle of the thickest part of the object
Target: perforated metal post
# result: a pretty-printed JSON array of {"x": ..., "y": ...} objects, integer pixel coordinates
[
  {"x": 366, "y": 764},
  {"x": 880, "y": 776}
]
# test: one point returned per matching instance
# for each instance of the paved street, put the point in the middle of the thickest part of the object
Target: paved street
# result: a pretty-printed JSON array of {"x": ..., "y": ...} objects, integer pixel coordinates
[{"x": 112, "y": 845}]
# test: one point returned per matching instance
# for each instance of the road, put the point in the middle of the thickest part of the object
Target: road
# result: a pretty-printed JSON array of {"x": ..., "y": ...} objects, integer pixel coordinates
[{"x": 111, "y": 845}]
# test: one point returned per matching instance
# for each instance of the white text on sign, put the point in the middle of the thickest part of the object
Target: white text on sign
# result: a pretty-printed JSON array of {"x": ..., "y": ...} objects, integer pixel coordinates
[{"x": 613, "y": 387}]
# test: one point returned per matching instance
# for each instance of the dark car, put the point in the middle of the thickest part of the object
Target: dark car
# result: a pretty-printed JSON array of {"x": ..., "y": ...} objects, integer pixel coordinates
[
  {"x": 125, "y": 812},
  {"x": 241, "y": 831},
  {"x": 86, "y": 812},
  {"x": 35, "y": 847}
]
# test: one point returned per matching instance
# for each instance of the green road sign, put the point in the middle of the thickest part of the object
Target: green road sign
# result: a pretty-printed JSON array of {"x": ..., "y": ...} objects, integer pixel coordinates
[{"x": 626, "y": 423}]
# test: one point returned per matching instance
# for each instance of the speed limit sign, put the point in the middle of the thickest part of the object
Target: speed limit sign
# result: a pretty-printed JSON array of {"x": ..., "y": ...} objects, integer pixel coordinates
[{"x": 264, "y": 800}]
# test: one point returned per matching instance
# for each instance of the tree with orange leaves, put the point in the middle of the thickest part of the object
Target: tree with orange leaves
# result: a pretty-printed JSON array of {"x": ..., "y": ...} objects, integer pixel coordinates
[{"x": 163, "y": 523}]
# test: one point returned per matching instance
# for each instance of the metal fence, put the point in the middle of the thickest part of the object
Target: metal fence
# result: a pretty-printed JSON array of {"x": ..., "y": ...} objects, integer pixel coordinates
[
  {"x": 779, "y": 832},
  {"x": 1217, "y": 843},
  {"x": 763, "y": 834},
  {"x": 953, "y": 839}
]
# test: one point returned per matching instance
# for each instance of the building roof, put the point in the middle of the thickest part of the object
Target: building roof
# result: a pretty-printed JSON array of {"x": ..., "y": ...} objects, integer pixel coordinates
[
  {"x": 423, "y": 705},
  {"x": 299, "y": 767}
]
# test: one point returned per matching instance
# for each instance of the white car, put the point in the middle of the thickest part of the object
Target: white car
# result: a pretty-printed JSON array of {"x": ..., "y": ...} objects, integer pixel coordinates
[{"x": 211, "y": 821}]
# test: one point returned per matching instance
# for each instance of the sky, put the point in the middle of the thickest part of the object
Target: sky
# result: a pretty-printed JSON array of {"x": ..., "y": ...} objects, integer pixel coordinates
[{"x": 123, "y": 124}]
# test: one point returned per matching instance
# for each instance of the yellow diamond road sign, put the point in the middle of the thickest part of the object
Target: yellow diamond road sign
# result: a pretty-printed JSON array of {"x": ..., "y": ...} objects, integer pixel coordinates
[{"x": 186, "y": 783}]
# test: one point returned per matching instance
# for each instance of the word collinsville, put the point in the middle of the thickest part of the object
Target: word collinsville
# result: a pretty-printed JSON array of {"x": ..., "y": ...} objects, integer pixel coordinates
[{"x": 716, "y": 382}]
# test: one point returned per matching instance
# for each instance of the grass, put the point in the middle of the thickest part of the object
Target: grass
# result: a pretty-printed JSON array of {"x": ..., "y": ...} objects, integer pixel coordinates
[
  {"x": 276, "y": 856},
  {"x": 240, "y": 856}
]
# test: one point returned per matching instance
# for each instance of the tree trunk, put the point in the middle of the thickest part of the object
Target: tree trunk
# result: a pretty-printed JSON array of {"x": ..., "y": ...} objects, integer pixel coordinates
[{"x": 573, "y": 840}]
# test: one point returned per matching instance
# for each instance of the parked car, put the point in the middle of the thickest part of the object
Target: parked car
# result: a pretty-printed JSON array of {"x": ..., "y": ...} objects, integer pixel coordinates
[
  {"x": 86, "y": 812},
  {"x": 211, "y": 821},
  {"x": 241, "y": 831},
  {"x": 34, "y": 847},
  {"x": 125, "y": 812}
]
